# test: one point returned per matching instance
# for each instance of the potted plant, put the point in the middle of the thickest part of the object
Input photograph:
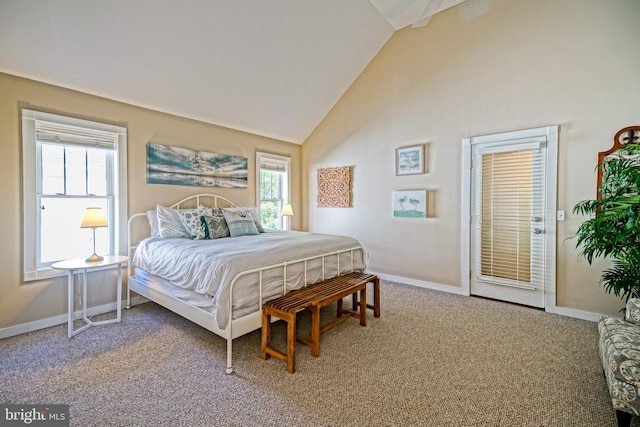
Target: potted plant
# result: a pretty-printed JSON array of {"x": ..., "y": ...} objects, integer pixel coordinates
[{"x": 613, "y": 229}]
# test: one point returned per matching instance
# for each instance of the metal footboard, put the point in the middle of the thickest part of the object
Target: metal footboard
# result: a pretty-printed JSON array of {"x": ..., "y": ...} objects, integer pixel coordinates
[{"x": 284, "y": 266}]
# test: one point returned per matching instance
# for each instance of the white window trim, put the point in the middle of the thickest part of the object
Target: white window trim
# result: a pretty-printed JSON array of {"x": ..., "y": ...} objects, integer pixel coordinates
[
  {"x": 30, "y": 183},
  {"x": 278, "y": 159}
]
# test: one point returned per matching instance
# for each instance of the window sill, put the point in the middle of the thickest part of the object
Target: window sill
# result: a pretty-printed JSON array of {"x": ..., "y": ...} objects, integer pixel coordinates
[{"x": 45, "y": 273}]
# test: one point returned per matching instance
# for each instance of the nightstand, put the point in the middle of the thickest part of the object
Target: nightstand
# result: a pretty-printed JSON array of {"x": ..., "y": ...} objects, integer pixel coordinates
[{"x": 80, "y": 266}]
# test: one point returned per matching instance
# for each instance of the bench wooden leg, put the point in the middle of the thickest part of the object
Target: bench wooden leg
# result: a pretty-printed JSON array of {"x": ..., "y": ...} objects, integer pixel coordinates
[
  {"x": 376, "y": 299},
  {"x": 266, "y": 334},
  {"x": 291, "y": 344},
  {"x": 266, "y": 349},
  {"x": 315, "y": 330},
  {"x": 363, "y": 306}
]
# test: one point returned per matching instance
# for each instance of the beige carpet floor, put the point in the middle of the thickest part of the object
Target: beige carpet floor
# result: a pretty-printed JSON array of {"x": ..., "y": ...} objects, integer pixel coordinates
[{"x": 432, "y": 359}]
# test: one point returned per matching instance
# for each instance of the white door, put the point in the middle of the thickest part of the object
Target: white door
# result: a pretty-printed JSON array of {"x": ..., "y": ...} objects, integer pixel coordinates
[{"x": 512, "y": 217}]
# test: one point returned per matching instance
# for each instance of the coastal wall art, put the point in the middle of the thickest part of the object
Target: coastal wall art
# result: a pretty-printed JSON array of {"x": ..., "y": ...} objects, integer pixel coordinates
[
  {"x": 410, "y": 160},
  {"x": 182, "y": 166},
  {"x": 410, "y": 204}
]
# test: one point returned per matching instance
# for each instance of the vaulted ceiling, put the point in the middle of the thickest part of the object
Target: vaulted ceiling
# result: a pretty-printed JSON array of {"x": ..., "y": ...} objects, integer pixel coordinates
[{"x": 270, "y": 67}]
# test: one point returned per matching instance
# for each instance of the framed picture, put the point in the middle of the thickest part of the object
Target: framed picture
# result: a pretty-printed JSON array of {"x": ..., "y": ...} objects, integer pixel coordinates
[
  {"x": 410, "y": 160},
  {"x": 410, "y": 204},
  {"x": 182, "y": 166}
]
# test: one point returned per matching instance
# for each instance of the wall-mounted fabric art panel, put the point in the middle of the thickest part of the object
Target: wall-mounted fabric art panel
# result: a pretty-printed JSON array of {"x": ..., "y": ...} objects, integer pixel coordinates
[
  {"x": 181, "y": 166},
  {"x": 334, "y": 187}
]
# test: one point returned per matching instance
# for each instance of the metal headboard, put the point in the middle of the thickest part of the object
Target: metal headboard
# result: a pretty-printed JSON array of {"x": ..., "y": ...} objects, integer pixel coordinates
[{"x": 214, "y": 200}]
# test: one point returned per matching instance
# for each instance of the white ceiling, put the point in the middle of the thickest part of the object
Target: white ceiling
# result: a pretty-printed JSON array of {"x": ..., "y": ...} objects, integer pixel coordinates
[{"x": 270, "y": 67}]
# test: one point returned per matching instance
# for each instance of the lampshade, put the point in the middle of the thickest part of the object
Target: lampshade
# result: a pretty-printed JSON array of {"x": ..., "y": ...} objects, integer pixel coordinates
[
  {"x": 93, "y": 217},
  {"x": 287, "y": 210}
]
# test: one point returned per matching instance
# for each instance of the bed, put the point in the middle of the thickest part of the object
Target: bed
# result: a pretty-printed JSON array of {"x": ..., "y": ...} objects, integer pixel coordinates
[{"x": 222, "y": 283}]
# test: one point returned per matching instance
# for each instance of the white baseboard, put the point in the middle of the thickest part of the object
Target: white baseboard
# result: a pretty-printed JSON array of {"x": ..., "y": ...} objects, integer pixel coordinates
[
  {"x": 562, "y": 311},
  {"x": 58, "y": 320},
  {"x": 420, "y": 283},
  {"x": 578, "y": 314}
]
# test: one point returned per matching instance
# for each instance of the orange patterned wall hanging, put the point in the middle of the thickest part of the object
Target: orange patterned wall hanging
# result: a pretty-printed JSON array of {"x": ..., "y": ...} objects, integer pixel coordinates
[{"x": 334, "y": 187}]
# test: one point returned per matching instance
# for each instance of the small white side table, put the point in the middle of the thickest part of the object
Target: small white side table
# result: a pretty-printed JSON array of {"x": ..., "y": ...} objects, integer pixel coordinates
[{"x": 80, "y": 265}]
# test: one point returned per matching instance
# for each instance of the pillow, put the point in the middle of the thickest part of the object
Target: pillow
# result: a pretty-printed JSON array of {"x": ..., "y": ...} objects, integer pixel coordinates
[
  {"x": 152, "y": 217},
  {"x": 215, "y": 225},
  {"x": 255, "y": 214},
  {"x": 169, "y": 223},
  {"x": 191, "y": 220},
  {"x": 240, "y": 222},
  {"x": 632, "y": 313},
  {"x": 205, "y": 210}
]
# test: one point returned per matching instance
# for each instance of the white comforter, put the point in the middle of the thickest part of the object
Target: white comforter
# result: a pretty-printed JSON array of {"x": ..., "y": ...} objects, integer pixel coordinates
[{"x": 208, "y": 267}]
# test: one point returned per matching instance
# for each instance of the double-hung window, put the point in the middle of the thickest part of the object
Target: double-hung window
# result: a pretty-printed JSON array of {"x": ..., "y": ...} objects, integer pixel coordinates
[
  {"x": 69, "y": 165},
  {"x": 273, "y": 189}
]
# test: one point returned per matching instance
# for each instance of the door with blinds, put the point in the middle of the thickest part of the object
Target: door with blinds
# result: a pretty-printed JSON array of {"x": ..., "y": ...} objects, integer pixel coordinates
[{"x": 511, "y": 220}]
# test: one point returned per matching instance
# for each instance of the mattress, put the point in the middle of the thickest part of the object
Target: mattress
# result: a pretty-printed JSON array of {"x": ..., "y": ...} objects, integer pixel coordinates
[{"x": 203, "y": 272}]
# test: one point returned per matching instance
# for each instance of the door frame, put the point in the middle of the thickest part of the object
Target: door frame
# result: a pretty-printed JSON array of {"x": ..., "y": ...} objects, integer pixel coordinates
[{"x": 551, "y": 167}]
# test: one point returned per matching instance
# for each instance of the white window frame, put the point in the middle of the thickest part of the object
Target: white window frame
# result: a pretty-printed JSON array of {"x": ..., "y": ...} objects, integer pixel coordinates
[
  {"x": 31, "y": 193},
  {"x": 279, "y": 161}
]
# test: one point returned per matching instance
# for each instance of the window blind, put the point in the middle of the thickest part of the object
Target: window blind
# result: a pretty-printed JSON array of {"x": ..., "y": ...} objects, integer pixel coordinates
[
  {"x": 74, "y": 135},
  {"x": 273, "y": 165},
  {"x": 510, "y": 213}
]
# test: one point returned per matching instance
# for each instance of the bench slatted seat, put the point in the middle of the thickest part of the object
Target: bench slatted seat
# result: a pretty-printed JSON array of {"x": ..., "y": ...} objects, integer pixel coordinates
[{"x": 313, "y": 298}]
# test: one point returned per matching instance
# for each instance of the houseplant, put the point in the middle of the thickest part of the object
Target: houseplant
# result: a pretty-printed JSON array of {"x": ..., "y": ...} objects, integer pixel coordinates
[{"x": 613, "y": 229}]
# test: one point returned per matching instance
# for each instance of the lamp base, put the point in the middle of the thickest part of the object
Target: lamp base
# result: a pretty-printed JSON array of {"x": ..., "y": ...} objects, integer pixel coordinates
[{"x": 94, "y": 258}]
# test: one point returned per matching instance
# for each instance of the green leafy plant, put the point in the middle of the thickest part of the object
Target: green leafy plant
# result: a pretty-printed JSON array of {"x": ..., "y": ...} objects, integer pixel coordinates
[{"x": 613, "y": 231}]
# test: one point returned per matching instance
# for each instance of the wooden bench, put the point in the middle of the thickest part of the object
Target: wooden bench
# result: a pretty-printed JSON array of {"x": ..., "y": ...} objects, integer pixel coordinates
[{"x": 314, "y": 298}]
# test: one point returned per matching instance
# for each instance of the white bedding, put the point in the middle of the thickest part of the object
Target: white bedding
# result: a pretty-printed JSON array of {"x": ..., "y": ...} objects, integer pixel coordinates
[{"x": 207, "y": 267}]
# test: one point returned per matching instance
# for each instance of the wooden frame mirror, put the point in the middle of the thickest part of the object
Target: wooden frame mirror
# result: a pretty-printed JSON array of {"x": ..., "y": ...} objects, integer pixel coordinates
[{"x": 628, "y": 135}]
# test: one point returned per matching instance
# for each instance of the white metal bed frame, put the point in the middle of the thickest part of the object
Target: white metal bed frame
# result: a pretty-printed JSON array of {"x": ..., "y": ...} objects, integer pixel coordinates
[{"x": 235, "y": 327}]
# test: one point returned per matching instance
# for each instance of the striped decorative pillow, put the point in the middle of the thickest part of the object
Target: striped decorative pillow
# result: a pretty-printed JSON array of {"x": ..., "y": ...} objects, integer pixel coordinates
[{"x": 240, "y": 222}]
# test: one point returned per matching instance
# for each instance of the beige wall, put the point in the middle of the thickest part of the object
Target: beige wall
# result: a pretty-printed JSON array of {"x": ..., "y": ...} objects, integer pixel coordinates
[
  {"x": 520, "y": 65},
  {"x": 21, "y": 302}
]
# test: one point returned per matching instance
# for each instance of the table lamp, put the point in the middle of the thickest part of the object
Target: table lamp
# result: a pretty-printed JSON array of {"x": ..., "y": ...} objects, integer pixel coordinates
[
  {"x": 93, "y": 218},
  {"x": 287, "y": 210}
]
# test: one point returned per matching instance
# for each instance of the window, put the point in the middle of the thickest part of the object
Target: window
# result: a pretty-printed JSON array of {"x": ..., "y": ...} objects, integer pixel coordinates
[
  {"x": 273, "y": 189},
  {"x": 68, "y": 165}
]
